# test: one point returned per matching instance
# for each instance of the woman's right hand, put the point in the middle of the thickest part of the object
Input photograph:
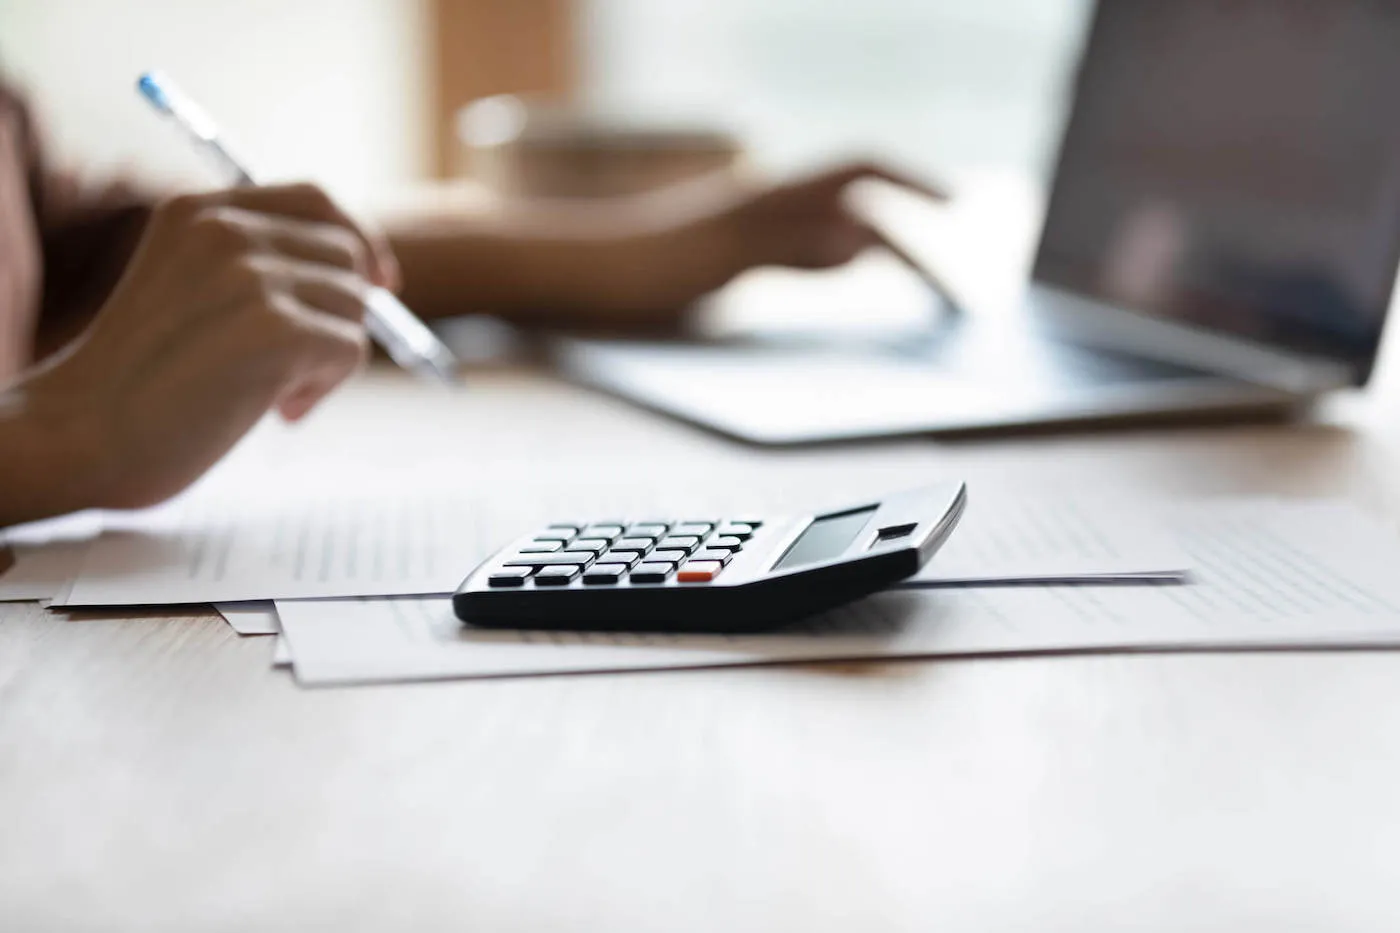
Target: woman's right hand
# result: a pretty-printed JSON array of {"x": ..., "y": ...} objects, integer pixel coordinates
[{"x": 234, "y": 303}]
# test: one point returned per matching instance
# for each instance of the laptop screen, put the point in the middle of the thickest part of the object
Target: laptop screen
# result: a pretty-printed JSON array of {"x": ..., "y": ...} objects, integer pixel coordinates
[{"x": 1235, "y": 165}]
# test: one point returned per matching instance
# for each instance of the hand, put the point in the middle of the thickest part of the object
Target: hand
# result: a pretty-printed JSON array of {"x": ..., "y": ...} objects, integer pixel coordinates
[
  {"x": 234, "y": 302},
  {"x": 730, "y": 227}
]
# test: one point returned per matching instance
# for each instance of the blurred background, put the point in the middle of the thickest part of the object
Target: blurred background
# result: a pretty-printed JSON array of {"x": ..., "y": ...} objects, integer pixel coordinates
[{"x": 362, "y": 95}]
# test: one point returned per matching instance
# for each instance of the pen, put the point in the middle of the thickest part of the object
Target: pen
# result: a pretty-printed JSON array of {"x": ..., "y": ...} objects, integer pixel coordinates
[{"x": 406, "y": 339}]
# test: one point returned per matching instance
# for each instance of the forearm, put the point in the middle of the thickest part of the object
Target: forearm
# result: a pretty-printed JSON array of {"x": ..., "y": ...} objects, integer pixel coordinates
[
  {"x": 577, "y": 263},
  {"x": 45, "y": 467},
  {"x": 517, "y": 267},
  {"x": 87, "y": 245}
]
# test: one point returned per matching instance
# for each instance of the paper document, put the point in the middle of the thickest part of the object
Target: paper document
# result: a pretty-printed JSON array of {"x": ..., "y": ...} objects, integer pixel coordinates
[
  {"x": 337, "y": 545},
  {"x": 209, "y": 550},
  {"x": 47, "y": 555},
  {"x": 1054, "y": 539},
  {"x": 1266, "y": 574},
  {"x": 256, "y": 618}
]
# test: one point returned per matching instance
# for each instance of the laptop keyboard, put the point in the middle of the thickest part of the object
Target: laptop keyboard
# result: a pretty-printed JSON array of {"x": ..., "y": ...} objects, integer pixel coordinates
[
  {"x": 1044, "y": 361},
  {"x": 1101, "y": 367}
]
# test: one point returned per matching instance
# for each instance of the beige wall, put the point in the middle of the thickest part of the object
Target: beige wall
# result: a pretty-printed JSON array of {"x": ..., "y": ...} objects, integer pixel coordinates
[{"x": 339, "y": 90}]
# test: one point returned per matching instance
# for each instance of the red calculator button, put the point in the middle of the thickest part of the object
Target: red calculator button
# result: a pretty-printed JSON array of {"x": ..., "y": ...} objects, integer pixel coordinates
[{"x": 699, "y": 571}]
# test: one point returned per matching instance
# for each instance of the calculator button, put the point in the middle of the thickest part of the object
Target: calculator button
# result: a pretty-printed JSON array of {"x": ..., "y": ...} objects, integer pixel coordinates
[
  {"x": 604, "y": 574},
  {"x": 542, "y": 547},
  {"x": 629, "y": 558},
  {"x": 652, "y": 572},
  {"x": 699, "y": 571},
  {"x": 504, "y": 578},
  {"x": 753, "y": 523},
  {"x": 719, "y": 554},
  {"x": 647, "y": 530},
  {"x": 640, "y": 545},
  {"x": 559, "y": 535},
  {"x": 571, "y": 527},
  {"x": 687, "y": 543},
  {"x": 740, "y": 530},
  {"x": 669, "y": 557},
  {"x": 725, "y": 541},
  {"x": 699, "y": 529},
  {"x": 556, "y": 576},
  {"x": 568, "y": 558},
  {"x": 596, "y": 545},
  {"x": 608, "y": 531}
]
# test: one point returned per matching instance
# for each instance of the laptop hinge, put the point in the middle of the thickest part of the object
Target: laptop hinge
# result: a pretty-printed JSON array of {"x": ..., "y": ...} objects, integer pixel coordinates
[{"x": 1092, "y": 323}]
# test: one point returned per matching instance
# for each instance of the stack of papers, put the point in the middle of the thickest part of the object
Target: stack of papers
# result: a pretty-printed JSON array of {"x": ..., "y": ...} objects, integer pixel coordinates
[
  {"x": 1267, "y": 575},
  {"x": 336, "y": 546},
  {"x": 357, "y": 583},
  {"x": 1007, "y": 542}
]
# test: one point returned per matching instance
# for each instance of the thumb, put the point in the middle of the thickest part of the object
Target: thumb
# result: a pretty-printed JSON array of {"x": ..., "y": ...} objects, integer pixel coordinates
[{"x": 822, "y": 244}]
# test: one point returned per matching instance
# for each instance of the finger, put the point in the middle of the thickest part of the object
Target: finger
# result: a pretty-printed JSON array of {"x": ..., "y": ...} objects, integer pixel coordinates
[
  {"x": 331, "y": 349},
  {"x": 332, "y": 292},
  {"x": 308, "y": 202},
  {"x": 304, "y": 396},
  {"x": 823, "y": 245},
  {"x": 837, "y": 179},
  {"x": 342, "y": 293},
  {"x": 319, "y": 243},
  {"x": 303, "y": 240},
  {"x": 843, "y": 242},
  {"x": 300, "y": 402}
]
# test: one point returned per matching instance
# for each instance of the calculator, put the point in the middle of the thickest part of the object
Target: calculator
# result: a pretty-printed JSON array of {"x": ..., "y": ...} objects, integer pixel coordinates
[{"x": 707, "y": 574}]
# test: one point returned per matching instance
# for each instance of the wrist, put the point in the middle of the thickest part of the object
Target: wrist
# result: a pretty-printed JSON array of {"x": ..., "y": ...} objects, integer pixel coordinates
[{"x": 679, "y": 263}]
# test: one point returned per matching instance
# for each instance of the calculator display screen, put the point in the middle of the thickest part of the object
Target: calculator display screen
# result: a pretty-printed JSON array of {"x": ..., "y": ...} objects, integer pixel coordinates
[{"x": 825, "y": 538}]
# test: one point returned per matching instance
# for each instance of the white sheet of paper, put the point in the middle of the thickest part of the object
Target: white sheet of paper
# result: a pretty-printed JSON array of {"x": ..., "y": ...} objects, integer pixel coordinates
[
  {"x": 1269, "y": 574},
  {"x": 355, "y": 543},
  {"x": 1054, "y": 539},
  {"x": 344, "y": 544},
  {"x": 47, "y": 555},
  {"x": 256, "y": 618}
]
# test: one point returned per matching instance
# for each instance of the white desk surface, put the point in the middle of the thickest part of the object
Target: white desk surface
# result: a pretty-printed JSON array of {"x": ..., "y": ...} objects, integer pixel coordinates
[{"x": 156, "y": 775}]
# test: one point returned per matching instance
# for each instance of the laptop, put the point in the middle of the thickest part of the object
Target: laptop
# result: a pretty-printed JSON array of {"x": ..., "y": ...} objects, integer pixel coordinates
[{"x": 1222, "y": 235}]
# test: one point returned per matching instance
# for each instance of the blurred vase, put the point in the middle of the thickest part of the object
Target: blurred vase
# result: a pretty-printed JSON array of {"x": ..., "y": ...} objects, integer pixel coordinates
[{"x": 523, "y": 148}]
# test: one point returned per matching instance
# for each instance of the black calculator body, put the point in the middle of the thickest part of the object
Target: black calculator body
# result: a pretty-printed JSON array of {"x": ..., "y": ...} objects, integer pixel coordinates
[{"x": 746, "y": 574}]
